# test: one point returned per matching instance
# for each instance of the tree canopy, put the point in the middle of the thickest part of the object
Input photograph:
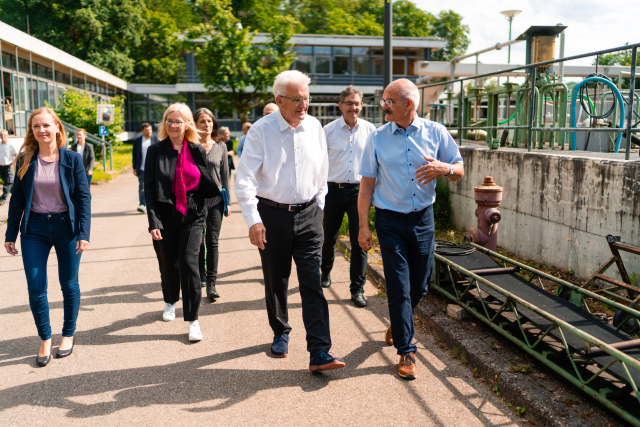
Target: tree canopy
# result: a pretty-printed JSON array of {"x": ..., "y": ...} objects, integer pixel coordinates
[{"x": 137, "y": 40}]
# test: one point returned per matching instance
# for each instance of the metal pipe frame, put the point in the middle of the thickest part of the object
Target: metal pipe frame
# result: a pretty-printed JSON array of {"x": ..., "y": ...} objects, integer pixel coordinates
[{"x": 511, "y": 303}]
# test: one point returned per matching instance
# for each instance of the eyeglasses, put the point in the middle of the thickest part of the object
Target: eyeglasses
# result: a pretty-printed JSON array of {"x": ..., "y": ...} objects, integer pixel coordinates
[
  {"x": 387, "y": 103},
  {"x": 299, "y": 101},
  {"x": 172, "y": 123},
  {"x": 352, "y": 104}
]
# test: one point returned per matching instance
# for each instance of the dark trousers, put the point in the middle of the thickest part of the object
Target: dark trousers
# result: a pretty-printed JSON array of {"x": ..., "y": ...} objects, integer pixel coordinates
[
  {"x": 177, "y": 254},
  {"x": 48, "y": 231},
  {"x": 6, "y": 174},
  {"x": 338, "y": 202},
  {"x": 89, "y": 178},
  {"x": 407, "y": 247},
  {"x": 209, "y": 263},
  {"x": 140, "y": 174},
  {"x": 296, "y": 236}
]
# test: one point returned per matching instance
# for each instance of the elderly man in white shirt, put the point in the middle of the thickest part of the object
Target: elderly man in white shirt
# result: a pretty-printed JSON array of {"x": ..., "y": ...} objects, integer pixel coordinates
[
  {"x": 346, "y": 138},
  {"x": 280, "y": 185}
]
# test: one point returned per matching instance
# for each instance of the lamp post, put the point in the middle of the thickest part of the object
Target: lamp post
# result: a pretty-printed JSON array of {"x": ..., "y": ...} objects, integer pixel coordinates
[{"x": 510, "y": 14}]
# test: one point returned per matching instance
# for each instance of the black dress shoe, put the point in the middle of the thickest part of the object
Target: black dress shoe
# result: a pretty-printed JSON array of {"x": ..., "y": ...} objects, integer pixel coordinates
[
  {"x": 358, "y": 299},
  {"x": 43, "y": 361},
  {"x": 203, "y": 279},
  {"x": 64, "y": 353},
  {"x": 325, "y": 280}
]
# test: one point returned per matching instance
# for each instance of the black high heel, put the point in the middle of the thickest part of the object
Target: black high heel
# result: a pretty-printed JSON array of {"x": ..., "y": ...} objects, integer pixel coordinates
[
  {"x": 43, "y": 361},
  {"x": 64, "y": 353}
]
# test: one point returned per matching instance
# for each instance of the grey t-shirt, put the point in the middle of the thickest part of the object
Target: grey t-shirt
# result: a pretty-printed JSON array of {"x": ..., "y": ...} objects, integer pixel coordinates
[{"x": 47, "y": 190}]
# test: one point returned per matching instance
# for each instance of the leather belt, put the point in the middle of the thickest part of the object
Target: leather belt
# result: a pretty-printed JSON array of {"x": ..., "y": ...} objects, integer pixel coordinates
[
  {"x": 343, "y": 184},
  {"x": 291, "y": 208}
]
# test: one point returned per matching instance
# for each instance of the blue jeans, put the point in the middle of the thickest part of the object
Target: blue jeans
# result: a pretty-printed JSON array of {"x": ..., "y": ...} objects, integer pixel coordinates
[
  {"x": 407, "y": 247},
  {"x": 44, "y": 232},
  {"x": 140, "y": 174}
]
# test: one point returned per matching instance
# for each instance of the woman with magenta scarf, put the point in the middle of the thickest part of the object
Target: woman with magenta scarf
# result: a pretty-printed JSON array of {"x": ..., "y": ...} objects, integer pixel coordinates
[{"x": 176, "y": 183}]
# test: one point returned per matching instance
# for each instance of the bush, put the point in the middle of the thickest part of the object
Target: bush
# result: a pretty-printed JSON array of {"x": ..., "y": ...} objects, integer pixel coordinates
[
  {"x": 442, "y": 206},
  {"x": 80, "y": 109}
]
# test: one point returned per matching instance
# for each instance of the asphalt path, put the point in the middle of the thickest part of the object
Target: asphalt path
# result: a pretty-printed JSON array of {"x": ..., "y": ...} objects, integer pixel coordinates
[{"x": 131, "y": 368}]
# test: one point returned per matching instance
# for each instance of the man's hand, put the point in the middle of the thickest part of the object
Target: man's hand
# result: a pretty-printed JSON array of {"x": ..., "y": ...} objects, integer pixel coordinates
[
  {"x": 135, "y": 172},
  {"x": 81, "y": 246},
  {"x": 258, "y": 235},
  {"x": 11, "y": 248},
  {"x": 435, "y": 169},
  {"x": 365, "y": 238},
  {"x": 155, "y": 234},
  {"x": 89, "y": 173}
]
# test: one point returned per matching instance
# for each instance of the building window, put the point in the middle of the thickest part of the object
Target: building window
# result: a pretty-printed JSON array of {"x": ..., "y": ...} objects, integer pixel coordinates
[
  {"x": 304, "y": 54},
  {"x": 341, "y": 60},
  {"x": 8, "y": 61},
  {"x": 52, "y": 96},
  {"x": 322, "y": 60},
  {"x": 78, "y": 82},
  {"x": 399, "y": 66},
  {"x": 361, "y": 61},
  {"x": 43, "y": 92}
]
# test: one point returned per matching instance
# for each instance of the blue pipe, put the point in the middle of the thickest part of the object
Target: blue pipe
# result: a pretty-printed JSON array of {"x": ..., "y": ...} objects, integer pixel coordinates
[{"x": 574, "y": 96}]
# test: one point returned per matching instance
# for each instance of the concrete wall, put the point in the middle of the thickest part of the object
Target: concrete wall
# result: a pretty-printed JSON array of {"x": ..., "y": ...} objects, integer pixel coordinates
[{"x": 556, "y": 209}]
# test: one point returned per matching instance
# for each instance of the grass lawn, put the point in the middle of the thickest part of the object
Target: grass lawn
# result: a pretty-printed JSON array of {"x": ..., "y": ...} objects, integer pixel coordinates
[{"x": 121, "y": 159}]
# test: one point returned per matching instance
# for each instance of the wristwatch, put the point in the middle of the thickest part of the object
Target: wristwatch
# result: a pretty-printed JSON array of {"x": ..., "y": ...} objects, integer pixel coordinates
[{"x": 450, "y": 170}]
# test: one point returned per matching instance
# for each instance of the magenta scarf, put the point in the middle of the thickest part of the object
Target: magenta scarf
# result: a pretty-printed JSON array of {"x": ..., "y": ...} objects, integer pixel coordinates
[{"x": 186, "y": 178}]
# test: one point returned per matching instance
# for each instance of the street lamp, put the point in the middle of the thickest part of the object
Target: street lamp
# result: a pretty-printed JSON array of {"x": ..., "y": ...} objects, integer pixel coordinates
[{"x": 510, "y": 14}]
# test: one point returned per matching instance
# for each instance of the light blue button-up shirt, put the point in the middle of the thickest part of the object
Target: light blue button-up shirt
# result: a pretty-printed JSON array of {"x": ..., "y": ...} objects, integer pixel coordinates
[
  {"x": 240, "y": 146},
  {"x": 392, "y": 156}
]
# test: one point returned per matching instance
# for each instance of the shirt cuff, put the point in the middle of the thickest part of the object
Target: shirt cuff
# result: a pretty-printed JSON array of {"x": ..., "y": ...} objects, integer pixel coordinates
[{"x": 252, "y": 219}]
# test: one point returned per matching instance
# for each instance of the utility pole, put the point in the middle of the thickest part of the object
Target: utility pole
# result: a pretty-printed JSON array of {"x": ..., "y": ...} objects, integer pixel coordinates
[
  {"x": 510, "y": 14},
  {"x": 387, "y": 75}
]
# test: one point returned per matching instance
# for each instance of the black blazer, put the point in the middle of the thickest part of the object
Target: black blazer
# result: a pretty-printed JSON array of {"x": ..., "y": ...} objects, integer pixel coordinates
[
  {"x": 137, "y": 151},
  {"x": 75, "y": 188},
  {"x": 88, "y": 155},
  {"x": 159, "y": 171}
]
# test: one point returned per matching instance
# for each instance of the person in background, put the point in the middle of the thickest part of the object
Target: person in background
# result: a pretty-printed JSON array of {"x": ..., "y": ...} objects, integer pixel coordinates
[
  {"x": 51, "y": 208},
  {"x": 346, "y": 138},
  {"x": 176, "y": 184},
  {"x": 399, "y": 166},
  {"x": 281, "y": 184},
  {"x": 230, "y": 153},
  {"x": 269, "y": 109},
  {"x": 140, "y": 146},
  {"x": 8, "y": 155},
  {"x": 213, "y": 142},
  {"x": 245, "y": 128},
  {"x": 86, "y": 151}
]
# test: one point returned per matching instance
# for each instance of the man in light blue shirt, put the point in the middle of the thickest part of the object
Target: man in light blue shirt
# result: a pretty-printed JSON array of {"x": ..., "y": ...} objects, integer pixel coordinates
[
  {"x": 245, "y": 129},
  {"x": 399, "y": 166}
]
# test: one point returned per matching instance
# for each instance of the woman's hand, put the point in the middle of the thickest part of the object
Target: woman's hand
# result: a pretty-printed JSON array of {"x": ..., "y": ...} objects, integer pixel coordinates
[
  {"x": 155, "y": 234},
  {"x": 11, "y": 248},
  {"x": 81, "y": 246}
]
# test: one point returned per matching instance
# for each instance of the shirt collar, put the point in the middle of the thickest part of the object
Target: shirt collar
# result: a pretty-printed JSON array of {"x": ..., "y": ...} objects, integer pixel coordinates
[
  {"x": 284, "y": 125},
  {"x": 416, "y": 123},
  {"x": 342, "y": 123}
]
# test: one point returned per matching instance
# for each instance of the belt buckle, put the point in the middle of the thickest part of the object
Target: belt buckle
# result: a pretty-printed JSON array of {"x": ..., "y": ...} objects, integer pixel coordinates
[
  {"x": 292, "y": 208},
  {"x": 341, "y": 185}
]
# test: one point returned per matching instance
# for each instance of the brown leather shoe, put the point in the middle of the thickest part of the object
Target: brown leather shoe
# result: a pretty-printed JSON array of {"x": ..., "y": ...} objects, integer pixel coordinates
[
  {"x": 388, "y": 338},
  {"x": 407, "y": 366}
]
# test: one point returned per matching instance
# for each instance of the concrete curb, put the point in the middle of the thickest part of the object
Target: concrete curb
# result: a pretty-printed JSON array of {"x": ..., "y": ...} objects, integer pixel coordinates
[{"x": 549, "y": 400}]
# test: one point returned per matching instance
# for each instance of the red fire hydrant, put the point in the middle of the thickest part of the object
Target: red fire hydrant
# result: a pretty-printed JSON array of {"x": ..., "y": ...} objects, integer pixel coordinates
[{"x": 488, "y": 196}]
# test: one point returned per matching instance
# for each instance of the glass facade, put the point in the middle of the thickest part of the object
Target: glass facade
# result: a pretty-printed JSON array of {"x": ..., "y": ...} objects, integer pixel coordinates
[{"x": 27, "y": 84}]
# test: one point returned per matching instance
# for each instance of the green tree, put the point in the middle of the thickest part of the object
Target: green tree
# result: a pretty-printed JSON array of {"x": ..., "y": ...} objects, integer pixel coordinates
[
  {"x": 449, "y": 27},
  {"x": 234, "y": 70},
  {"x": 79, "y": 109},
  {"x": 411, "y": 21},
  {"x": 622, "y": 58}
]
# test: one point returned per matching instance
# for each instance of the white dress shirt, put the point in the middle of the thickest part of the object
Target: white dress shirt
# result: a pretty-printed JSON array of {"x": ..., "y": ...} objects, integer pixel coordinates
[
  {"x": 345, "y": 149},
  {"x": 146, "y": 143},
  {"x": 80, "y": 149},
  {"x": 281, "y": 163}
]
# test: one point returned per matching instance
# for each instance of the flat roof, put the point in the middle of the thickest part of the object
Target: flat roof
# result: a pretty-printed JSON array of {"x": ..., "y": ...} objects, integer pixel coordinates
[
  {"x": 358, "y": 41},
  {"x": 24, "y": 41}
]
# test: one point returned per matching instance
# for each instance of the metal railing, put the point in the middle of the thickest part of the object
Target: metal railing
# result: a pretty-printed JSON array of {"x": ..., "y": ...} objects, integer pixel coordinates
[
  {"x": 93, "y": 140},
  {"x": 534, "y": 73}
]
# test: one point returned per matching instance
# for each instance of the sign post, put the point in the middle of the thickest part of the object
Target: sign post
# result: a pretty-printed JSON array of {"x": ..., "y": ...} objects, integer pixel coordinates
[{"x": 105, "y": 115}]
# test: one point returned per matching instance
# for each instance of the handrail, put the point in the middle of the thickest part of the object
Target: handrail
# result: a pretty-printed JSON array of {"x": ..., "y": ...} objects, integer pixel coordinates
[
  {"x": 532, "y": 69},
  {"x": 93, "y": 140}
]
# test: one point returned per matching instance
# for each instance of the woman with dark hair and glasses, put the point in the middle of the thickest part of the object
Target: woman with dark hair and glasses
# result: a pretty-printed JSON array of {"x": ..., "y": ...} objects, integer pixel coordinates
[
  {"x": 176, "y": 184},
  {"x": 213, "y": 142}
]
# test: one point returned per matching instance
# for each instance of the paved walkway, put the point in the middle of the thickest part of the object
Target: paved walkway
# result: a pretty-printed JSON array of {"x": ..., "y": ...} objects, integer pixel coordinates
[{"x": 131, "y": 368}]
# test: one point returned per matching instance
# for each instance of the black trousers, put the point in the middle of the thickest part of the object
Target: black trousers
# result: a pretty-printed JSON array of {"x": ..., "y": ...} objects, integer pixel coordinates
[
  {"x": 338, "y": 202},
  {"x": 177, "y": 254},
  {"x": 209, "y": 245},
  {"x": 296, "y": 236},
  {"x": 6, "y": 174}
]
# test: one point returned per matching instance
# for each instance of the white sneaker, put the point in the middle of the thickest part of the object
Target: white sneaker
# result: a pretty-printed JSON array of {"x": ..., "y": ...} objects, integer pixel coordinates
[
  {"x": 142, "y": 208},
  {"x": 194, "y": 331},
  {"x": 169, "y": 312}
]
